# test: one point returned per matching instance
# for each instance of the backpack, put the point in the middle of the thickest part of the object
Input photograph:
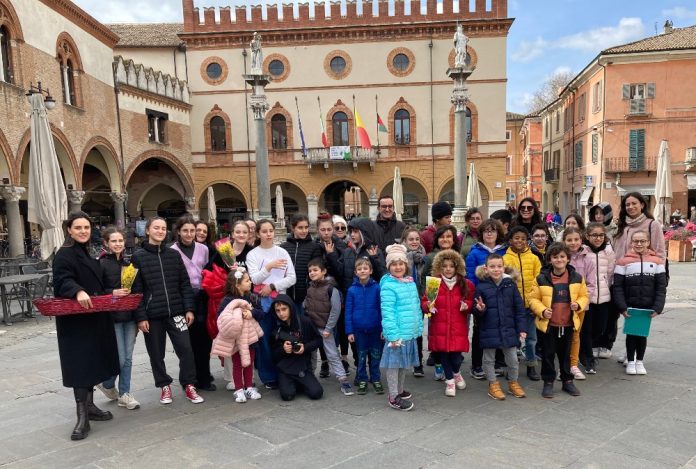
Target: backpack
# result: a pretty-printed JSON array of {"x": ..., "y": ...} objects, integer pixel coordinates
[{"x": 650, "y": 243}]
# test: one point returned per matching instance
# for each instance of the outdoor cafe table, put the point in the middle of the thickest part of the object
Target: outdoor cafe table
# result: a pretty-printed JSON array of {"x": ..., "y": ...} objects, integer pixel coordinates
[{"x": 12, "y": 280}]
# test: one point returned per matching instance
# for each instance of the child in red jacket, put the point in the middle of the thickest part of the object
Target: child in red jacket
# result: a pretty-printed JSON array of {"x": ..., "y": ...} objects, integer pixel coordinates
[{"x": 448, "y": 330}]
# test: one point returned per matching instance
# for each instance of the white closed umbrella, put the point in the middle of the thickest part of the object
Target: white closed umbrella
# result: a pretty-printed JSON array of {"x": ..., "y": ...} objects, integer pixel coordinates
[
  {"x": 663, "y": 185},
  {"x": 46, "y": 198},
  {"x": 280, "y": 207},
  {"x": 212, "y": 207},
  {"x": 473, "y": 194},
  {"x": 398, "y": 194}
]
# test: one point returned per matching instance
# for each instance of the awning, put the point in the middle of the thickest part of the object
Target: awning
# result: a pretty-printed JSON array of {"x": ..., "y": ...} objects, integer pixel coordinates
[
  {"x": 586, "y": 195},
  {"x": 645, "y": 189},
  {"x": 691, "y": 181}
]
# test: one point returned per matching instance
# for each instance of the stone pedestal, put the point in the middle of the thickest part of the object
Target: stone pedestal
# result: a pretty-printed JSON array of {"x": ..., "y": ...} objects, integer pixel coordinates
[
  {"x": 191, "y": 206},
  {"x": 372, "y": 202},
  {"x": 459, "y": 99},
  {"x": 75, "y": 199},
  {"x": 15, "y": 227},
  {"x": 119, "y": 199},
  {"x": 312, "y": 209},
  {"x": 259, "y": 106}
]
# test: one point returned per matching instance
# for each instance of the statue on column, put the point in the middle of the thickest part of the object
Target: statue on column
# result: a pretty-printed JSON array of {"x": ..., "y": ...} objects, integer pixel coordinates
[
  {"x": 256, "y": 55},
  {"x": 460, "y": 42}
]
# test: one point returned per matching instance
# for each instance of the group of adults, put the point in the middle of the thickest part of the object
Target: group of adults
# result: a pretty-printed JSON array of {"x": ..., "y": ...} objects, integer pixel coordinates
[{"x": 87, "y": 343}]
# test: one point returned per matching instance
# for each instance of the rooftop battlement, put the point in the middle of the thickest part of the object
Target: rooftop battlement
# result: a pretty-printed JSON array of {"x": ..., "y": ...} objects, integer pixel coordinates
[{"x": 332, "y": 14}]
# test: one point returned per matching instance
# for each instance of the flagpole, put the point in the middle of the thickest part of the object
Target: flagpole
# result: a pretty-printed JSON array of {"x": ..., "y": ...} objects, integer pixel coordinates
[
  {"x": 355, "y": 126},
  {"x": 321, "y": 121},
  {"x": 299, "y": 123},
  {"x": 377, "y": 116}
]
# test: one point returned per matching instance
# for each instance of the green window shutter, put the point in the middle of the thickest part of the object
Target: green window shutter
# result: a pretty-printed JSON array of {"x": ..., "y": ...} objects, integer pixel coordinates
[
  {"x": 636, "y": 150},
  {"x": 578, "y": 154},
  {"x": 650, "y": 90},
  {"x": 595, "y": 148},
  {"x": 641, "y": 150},
  {"x": 626, "y": 92}
]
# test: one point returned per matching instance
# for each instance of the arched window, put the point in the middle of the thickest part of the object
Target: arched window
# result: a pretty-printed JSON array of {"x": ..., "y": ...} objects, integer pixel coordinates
[
  {"x": 402, "y": 127},
  {"x": 218, "y": 141},
  {"x": 70, "y": 68},
  {"x": 469, "y": 133},
  {"x": 339, "y": 124},
  {"x": 69, "y": 83},
  {"x": 5, "y": 59},
  {"x": 279, "y": 132}
]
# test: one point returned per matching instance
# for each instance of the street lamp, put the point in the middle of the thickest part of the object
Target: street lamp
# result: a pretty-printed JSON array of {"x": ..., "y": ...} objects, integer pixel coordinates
[{"x": 48, "y": 100}]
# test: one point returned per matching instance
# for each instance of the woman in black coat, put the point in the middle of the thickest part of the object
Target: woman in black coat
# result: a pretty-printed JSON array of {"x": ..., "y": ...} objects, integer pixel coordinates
[{"x": 86, "y": 342}]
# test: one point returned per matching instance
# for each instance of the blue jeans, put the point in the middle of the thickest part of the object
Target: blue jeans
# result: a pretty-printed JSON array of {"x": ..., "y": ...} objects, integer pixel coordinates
[
  {"x": 264, "y": 354},
  {"x": 369, "y": 344},
  {"x": 531, "y": 340},
  {"x": 125, "y": 340}
]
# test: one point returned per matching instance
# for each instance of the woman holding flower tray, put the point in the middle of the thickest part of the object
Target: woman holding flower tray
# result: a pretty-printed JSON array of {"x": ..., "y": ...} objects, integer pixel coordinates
[{"x": 119, "y": 276}]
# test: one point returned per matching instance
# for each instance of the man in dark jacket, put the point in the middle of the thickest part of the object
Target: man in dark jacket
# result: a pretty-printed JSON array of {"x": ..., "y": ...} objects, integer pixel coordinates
[
  {"x": 389, "y": 229},
  {"x": 442, "y": 216},
  {"x": 302, "y": 249},
  {"x": 293, "y": 342}
]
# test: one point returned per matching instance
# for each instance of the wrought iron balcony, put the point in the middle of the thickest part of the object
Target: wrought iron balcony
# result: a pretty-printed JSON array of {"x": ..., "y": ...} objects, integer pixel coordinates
[
  {"x": 341, "y": 155},
  {"x": 630, "y": 165},
  {"x": 551, "y": 175},
  {"x": 638, "y": 107}
]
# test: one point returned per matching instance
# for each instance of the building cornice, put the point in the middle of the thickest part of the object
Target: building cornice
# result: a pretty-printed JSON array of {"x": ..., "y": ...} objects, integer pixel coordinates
[
  {"x": 83, "y": 19},
  {"x": 153, "y": 97}
]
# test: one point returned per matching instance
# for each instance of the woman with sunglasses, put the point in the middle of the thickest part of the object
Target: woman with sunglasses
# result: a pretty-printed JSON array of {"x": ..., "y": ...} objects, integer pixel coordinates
[
  {"x": 528, "y": 214},
  {"x": 340, "y": 226}
]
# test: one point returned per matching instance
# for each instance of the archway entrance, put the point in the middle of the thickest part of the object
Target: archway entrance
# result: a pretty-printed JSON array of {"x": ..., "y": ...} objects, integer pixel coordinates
[
  {"x": 98, "y": 181},
  {"x": 415, "y": 200},
  {"x": 229, "y": 203},
  {"x": 294, "y": 200},
  {"x": 345, "y": 198},
  {"x": 447, "y": 194}
]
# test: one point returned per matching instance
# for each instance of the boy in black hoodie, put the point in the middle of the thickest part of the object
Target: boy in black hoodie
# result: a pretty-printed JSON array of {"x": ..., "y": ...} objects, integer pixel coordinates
[{"x": 293, "y": 342}]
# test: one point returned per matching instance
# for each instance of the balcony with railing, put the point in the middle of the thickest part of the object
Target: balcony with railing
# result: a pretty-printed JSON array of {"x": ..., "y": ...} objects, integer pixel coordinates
[
  {"x": 638, "y": 107},
  {"x": 551, "y": 175},
  {"x": 630, "y": 165},
  {"x": 341, "y": 155}
]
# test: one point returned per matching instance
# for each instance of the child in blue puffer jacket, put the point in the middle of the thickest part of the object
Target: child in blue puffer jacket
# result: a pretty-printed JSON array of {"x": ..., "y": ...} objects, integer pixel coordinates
[
  {"x": 402, "y": 323},
  {"x": 364, "y": 324}
]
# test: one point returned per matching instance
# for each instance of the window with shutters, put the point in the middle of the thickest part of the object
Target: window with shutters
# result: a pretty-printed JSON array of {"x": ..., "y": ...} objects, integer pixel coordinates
[
  {"x": 595, "y": 148},
  {"x": 636, "y": 149},
  {"x": 581, "y": 107},
  {"x": 578, "y": 154},
  {"x": 637, "y": 95},
  {"x": 597, "y": 96},
  {"x": 558, "y": 121}
]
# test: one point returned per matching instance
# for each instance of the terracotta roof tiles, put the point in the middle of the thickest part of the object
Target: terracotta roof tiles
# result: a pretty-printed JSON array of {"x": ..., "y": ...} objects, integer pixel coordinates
[
  {"x": 147, "y": 34},
  {"x": 679, "y": 38}
]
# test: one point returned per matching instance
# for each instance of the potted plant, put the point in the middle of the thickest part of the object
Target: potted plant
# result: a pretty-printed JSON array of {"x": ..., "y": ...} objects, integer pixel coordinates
[{"x": 680, "y": 243}]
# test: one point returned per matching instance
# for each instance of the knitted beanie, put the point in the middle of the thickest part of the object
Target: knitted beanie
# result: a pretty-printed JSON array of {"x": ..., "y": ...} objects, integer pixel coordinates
[
  {"x": 339, "y": 219},
  {"x": 440, "y": 209},
  {"x": 396, "y": 252}
]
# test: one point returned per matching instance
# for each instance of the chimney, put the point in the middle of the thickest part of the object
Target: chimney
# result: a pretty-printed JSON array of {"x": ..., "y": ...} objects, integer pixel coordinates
[{"x": 668, "y": 27}]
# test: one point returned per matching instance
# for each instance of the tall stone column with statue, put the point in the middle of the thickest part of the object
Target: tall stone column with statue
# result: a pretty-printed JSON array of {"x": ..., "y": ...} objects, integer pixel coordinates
[
  {"x": 259, "y": 105},
  {"x": 459, "y": 74},
  {"x": 15, "y": 228},
  {"x": 75, "y": 199}
]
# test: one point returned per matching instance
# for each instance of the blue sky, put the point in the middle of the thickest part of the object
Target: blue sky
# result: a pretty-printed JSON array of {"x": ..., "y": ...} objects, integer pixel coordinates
[{"x": 547, "y": 35}]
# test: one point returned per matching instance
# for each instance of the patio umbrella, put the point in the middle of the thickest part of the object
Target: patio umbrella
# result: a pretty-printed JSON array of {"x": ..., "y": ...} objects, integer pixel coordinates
[
  {"x": 473, "y": 194},
  {"x": 398, "y": 194},
  {"x": 663, "y": 185},
  {"x": 47, "y": 200},
  {"x": 280, "y": 207},
  {"x": 212, "y": 209}
]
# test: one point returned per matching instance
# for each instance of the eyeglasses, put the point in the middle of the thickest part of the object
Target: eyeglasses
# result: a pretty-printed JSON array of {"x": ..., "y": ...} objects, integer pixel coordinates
[
  {"x": 340, "y": 228},
  {"x": 490, "y": 231},
  {"x": 526, "y": 208},
  {"x": 639, "y": 241},
  {"x": 596, "y": 235},
  {"x": 387, "y": 207}
]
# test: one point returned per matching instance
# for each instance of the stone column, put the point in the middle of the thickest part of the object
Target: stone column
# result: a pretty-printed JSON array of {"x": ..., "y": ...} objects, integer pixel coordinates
[
  {"x": 459, "y": 99},
  {"x": 119, "y": 199},
  {"x": 312, "y": 209},
  {"x": 2, "y": 69},
  {"x": 66, "y": 84},
  {"x": 75, "y": 199},
  {"x": 372, "y": 204},
  {"x": 15, "y": 227},
  {"x": 259, "y": 106},
  {"x": 191, "y": 206}
]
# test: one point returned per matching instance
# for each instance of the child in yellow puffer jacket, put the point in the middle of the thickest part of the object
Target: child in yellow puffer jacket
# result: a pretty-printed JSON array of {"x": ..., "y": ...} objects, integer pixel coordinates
[{"x": 520, "y": 257}]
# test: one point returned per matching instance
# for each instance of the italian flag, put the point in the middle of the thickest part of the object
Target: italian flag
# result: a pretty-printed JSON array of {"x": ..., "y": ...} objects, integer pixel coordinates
[
  {"x": 363, "y": 138},
  {"x": 324, "y": 140},
  {"x": 380, "y": 125}
]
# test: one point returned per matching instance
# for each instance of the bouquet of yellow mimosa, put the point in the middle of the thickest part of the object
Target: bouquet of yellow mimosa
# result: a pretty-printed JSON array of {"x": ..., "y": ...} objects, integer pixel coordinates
[
  {"x": 128, "y": 274},
  {"x": 224, "y": 247},
  {"x": 432, "y": 287}
]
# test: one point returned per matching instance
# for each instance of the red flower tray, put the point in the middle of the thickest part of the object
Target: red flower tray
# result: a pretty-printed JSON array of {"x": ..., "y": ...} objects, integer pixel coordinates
[{"x": 101, "y": 303}]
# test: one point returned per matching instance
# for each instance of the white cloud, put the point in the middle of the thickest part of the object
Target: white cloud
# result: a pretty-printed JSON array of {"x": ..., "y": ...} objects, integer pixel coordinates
[
  {"x": 560, "y": 70},
  {"x": 597, "y": 39},
  {"x": 129, "y": 11},
  {"x": 681, "y": 13}
]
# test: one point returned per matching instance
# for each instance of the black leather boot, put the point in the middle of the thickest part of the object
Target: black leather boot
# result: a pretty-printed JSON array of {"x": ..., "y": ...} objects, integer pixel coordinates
[
  {"x": 94, "y": 412},
  {"x": 82, "y": 427}
]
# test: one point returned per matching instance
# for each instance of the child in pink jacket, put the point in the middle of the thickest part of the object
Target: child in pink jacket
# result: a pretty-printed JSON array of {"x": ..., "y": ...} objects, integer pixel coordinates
[
  {"x": 237, "y": 321},
  {"x": 582, "y": 259}
]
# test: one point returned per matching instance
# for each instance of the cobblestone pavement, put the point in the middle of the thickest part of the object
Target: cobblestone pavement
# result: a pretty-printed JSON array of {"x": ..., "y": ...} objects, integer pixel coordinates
[{"x": 619, "y": 421}]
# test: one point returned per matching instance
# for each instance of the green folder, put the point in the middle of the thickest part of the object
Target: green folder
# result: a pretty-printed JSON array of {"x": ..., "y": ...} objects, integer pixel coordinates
[{"x": 638, "y": 322}]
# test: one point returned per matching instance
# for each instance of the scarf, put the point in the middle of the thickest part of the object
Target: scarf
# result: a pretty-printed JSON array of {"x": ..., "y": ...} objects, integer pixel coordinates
[
  {"x": 450, "y": 282},
  {"x": 635, "y": 221}
]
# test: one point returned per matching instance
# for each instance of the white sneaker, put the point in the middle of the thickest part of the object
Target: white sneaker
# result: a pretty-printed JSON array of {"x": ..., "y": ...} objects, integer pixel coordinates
[
  {"x": 450, "y": 388},
  {"x": 252, "y": 393},
  {"x": 595, "y": 352},
  {"x": 640, "y": 368},
  {"x": 604, "y": 353},
  {"x": 577, "y": 374},
  {"x": 239, "y": 396},
  {"x": 621, "y": 358},
  {"x": 230, "y": 386},
  {"x": 128, "y": 401},
  {"x": 459, "y": 381},
  {"x": 631, "y": 368},
  {"x": 110, "y": 393}
]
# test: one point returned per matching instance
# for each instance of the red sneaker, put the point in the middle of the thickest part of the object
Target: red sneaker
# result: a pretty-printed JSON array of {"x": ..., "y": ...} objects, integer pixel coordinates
[
  {"x": 166, "y": 395},
  {"x": 192, "y": 394}
]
